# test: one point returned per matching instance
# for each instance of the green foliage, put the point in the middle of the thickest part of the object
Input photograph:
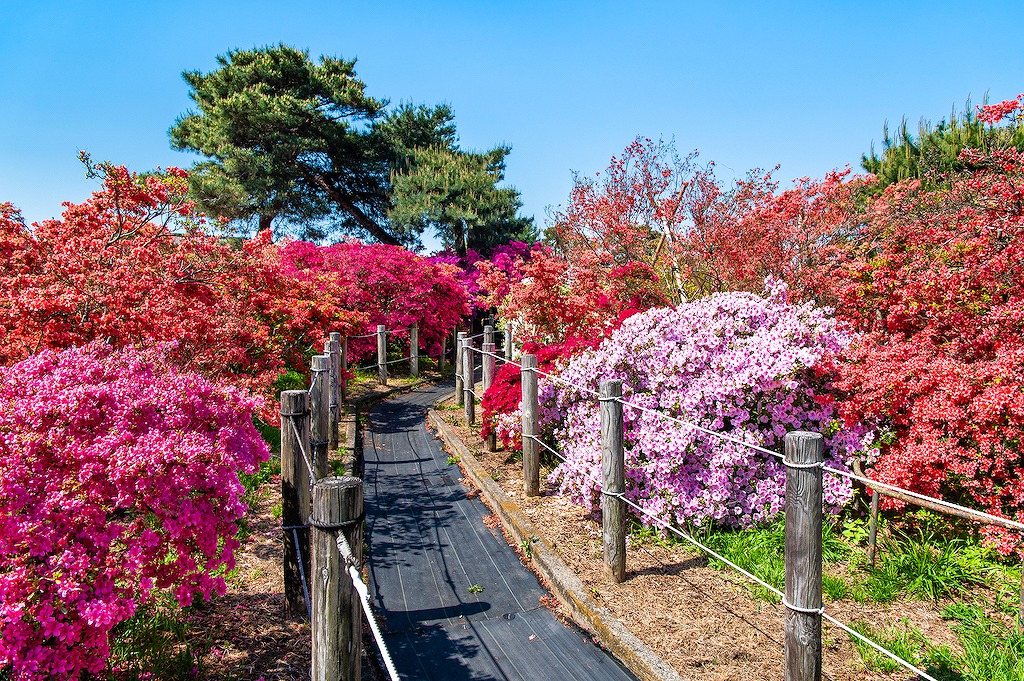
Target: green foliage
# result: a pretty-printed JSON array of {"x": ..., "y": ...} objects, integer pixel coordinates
[
  {"x": 903, "y": 640},
  {"x": 935, "y": 150},
  {"x": 155, "y": 639},
  {"x": 928, "y": 567},
  {"x": 290, "y": 135},
  {"x": 456, "y": 194}
]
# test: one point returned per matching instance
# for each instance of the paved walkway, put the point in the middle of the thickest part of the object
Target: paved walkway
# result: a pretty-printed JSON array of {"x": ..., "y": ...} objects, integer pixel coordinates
[{"x": 455, "y": 601}]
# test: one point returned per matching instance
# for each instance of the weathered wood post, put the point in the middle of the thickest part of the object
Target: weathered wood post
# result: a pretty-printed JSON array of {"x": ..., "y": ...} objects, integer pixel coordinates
[
  {"x": 414, "y": 350},
  {"x": 488, "y": 371},
  {"x": 488, "y": 334},
  {"x": 444, "y": 351},
  {"x": 344, "y": 368},
  {"x": 382, "y": 354},
  {"x": 508, "y": 342},
  {"x": 468, "y": 381},
  {"x": 803, "y": 459},
  {"x": 873, "y": 528},
  {"x": 332, "y": 348},
  {"x": 613, "y": 469},
  {"x": 531, "y": 410},
  {"x": 337, "y": 624},
  {"x": 459, "y": 396},
  {"x": 295, "y": 500},
  {"x": 320, "y": 408}
]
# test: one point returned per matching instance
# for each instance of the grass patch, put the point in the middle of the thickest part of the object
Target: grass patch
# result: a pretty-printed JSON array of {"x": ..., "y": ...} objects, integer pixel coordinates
[{"x": 154, "y": 640}]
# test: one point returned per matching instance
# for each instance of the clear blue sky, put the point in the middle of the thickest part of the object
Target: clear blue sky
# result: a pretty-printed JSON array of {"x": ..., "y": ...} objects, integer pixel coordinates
[{"x": 806, "y": 85}]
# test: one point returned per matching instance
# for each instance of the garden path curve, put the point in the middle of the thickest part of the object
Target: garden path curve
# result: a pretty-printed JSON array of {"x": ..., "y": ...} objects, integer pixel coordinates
[{"x": 455, "y": 601}]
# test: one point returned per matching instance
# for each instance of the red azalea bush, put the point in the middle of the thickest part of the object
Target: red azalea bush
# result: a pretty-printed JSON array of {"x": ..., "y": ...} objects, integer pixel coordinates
[
  {"x": 386, "y": 285},
  {"x": 118, "y": 475},
  {"x": 133, "y": 267},
  {"x": 500, "y": 405},
  {"x": 934, "y": 283}
]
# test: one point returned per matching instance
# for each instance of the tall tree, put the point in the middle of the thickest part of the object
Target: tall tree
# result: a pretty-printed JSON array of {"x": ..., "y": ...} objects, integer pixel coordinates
[
  {"x": 456, "y": 194},
  {"x": 291, "y": 136}
]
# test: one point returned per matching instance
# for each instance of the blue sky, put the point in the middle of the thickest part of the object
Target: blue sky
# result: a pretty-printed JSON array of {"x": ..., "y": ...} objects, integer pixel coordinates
[{"x": 806, "y": 85}]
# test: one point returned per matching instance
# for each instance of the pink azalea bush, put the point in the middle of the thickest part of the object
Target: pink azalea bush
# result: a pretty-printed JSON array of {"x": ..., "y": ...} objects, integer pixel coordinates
[
  {"x": 737, "y": 363},
  {"x": 118, "y": 475}
]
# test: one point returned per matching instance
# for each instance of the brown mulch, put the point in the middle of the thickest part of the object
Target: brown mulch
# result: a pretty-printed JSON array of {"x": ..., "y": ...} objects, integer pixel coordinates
[{"x": 701, "y": 620}]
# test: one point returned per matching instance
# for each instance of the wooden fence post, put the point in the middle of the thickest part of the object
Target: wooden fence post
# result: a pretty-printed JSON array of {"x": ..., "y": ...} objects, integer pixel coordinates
[
  {"x": 382, "y": 354},
  {"x": 344, "y": 368},
  {"x": 803, "y": 459},
  {"x": 319, "y": 409},
  {"x": 295, "y": 502},
  {"x": 337, "y": 624},
  {"x": 459, "y": 396},
  {"x": 488, "y": 334},
  {"x": 613, "y": 468},
  {"x": 440, "y": 360},
  {"x": 332, "y": 348},
  {"x": 414, "y": 350},
  {"x": 873, "y": 528},
  {"x": 488, "y": 372},
  {"x": 468, "y": 380},
  {"x": 531, "y": 449},
  {"x": 508, "y": 342}
]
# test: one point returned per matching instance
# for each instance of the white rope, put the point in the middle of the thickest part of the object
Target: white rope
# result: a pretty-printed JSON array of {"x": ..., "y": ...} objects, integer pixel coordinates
[
  {"x": 364, "y": 598},
  {"x": 400, "y": 359},
  {"x": 302, "y": 450}
]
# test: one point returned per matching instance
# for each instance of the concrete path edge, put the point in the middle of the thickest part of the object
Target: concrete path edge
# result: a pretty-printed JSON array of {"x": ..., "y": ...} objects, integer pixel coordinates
[{"x": 638, "y": 657}]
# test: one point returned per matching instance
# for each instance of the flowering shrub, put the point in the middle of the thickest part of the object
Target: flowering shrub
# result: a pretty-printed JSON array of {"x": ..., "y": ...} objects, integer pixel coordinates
[
  {"x": 505, "y": 260},
  {"x": 737, "y": 363},
  {"x": 134, "y": 267},
  {"x": 387, "y": 285},
  {"x": 933, "y": 282},
  {"x": 501, "y": 405},
  {"x": 118, "y": 475}
]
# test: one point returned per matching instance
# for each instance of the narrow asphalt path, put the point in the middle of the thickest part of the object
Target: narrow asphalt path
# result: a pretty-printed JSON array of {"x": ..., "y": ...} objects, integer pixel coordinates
[{"x": 455, "y": 601}]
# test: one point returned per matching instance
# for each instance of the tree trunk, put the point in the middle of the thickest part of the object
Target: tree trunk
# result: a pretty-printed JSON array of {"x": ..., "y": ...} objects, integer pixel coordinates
[
  {"x": 345, "y": 203},
  {"x": 266, "y": 220}
]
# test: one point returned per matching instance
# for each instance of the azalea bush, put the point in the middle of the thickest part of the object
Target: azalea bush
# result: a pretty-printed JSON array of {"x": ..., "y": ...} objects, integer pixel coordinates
[
  {"x": 386, "y": 285},
  {"x": 501, "y": 405},
  {"x": 118, "y": 476},
  {"x": 752, "y": 367},
  {"x": 134, "y": 266},
  {"x": 933, "y": 282}
]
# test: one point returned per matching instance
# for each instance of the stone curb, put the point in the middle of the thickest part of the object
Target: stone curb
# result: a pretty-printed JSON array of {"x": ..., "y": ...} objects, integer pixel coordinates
[{"x": 562, "y": 581}]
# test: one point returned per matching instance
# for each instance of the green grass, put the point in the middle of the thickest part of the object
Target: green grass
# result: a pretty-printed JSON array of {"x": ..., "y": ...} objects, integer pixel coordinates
[{"x": 155, "y": 639}]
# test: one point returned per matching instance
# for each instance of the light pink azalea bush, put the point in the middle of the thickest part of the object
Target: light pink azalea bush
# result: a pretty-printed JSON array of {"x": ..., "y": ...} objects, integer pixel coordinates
[
  {"x": 118, "y": 475},
  {"x": 735, "y": 362}
]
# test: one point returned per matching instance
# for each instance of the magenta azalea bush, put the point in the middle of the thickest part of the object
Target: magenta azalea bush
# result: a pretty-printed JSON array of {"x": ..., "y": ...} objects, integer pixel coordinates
[
  {"x": 737, "y": 363},
  {"x": 118, "y": 475}
]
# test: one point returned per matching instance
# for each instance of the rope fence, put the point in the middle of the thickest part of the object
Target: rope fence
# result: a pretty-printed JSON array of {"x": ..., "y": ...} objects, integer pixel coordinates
[{"x": 532, "y": 441}]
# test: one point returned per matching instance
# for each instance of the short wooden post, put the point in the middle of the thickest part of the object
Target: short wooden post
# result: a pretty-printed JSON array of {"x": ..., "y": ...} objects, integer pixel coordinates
[
  {"x": 382, "y": 354},
  {"x": 320, "y": 412},
  {"x": 332, "y": 348},
  {"x": 488, "y": 372},
  {"x": 803, "y": 459},
  {"x": 613, "y": 469},
  {"x": 414, "y": 350},
  {"x": 344, "y": 367},
  {"x": 444, "y": 351},
  {"x": 295, "y": 500},
  {"x": 508, "y": 342},
  {"x": 488, "y": 334},
  {"x": 337, "y": 625},
  {"x": 468, "y": 381},
  {"x": 459, "y": 396},
  {"x": 873, "y": 528},
  {"x": 531, "y": 410}
]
